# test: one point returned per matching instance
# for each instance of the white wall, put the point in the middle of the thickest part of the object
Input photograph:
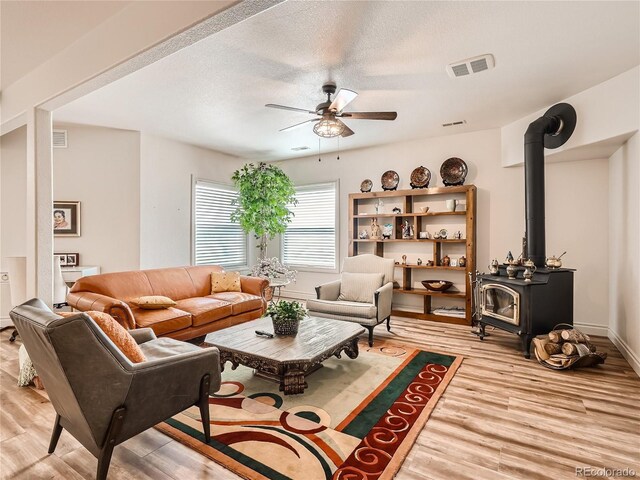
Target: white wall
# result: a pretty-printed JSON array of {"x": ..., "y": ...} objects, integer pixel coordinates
[
  {"x": 605, "y": 111},
  {"x": 166, "y": 170},
  {"x": 624, "y": 250},
  {"x": 573, "y": 188},
  {"x": 101, "y": 169},
  {"x": 13, "y": 196}
]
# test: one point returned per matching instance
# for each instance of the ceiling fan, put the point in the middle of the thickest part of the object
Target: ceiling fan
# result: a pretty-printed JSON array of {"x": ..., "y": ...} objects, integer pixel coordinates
[{"x": 330, "y": 112}]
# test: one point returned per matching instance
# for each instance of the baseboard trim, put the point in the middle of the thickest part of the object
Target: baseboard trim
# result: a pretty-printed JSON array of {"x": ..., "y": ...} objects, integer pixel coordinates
[
  {"x": 5, "y": 322},
  {"x": 625, "y": 350},
  {"x": 592, "y": 329}
]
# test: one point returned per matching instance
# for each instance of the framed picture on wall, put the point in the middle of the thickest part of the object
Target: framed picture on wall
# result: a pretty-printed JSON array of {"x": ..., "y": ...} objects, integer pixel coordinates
[
  {"x": 68, "y": 259},
  {"x": 66, "y": 219}
]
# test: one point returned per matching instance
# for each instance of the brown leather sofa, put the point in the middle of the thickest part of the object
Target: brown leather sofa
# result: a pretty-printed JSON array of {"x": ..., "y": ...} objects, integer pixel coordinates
[{"x": 197, "y": 312}]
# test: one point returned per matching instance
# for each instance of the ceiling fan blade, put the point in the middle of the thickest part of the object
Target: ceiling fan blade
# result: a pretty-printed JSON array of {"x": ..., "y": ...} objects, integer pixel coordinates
[
  {"x": 293, "y": 109},
  {"x": 298, "y": 124},
  {"x": 343, "y": 98},
  {"x": 370, "y": 115},
  {"x": 347, "y": 131}
]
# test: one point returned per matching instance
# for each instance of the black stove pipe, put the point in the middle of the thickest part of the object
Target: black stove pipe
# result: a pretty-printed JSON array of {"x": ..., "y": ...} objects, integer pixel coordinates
[{"x": 551, "y": 130}]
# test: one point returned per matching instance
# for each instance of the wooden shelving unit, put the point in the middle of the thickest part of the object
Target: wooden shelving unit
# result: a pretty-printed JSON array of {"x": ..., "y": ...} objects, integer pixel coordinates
[{"x": 362, "y": 207}]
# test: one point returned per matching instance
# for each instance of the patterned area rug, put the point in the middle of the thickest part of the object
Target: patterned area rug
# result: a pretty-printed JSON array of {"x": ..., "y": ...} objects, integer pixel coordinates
[{"x": 357, "y": 419}]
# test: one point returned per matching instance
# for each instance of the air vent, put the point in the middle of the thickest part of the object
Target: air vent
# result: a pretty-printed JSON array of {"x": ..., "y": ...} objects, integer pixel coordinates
[
  {"x": 451, "y": 124},
  {"x": 59, "y": 139},
  {"x": 297, "y": 149},
  {"x": 471, "y": 66}
]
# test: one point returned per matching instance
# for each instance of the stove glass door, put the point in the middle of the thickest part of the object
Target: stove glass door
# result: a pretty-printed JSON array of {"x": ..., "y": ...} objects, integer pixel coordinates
[{"x": 501, "y": 302}]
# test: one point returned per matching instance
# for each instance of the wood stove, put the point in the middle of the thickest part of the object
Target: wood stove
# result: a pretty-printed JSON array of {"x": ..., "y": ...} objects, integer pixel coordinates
[
  {"x": 525, "y": 308},
  {"x": 529, "y": 308}
]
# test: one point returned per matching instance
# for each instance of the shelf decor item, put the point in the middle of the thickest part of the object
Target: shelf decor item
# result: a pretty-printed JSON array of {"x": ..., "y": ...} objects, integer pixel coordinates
[
  {"x": 453, "y": 171},
  {"x": 366, "y": 186},
  {"x": 437, "y": 285},
  {"x": 286, "y": 317},
  {"x": 390, "y": 180},
  {"x": 420, "y": 177}
]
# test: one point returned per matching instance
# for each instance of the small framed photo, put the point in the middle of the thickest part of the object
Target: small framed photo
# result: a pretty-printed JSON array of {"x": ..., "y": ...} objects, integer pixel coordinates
[
  {"x": 66, "y": 219},
  {"x": 68, "y": 259},
  {"x": 454, "y": 262}
]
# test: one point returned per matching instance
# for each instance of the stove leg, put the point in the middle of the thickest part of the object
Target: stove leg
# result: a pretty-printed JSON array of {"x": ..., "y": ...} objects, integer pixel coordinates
[
  {"x": 526, "y": 345},
  {"x": 481, "y": 334}
]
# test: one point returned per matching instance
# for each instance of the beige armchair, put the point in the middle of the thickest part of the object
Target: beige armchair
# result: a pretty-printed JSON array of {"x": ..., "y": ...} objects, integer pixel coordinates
[{"x": 369, "y": 313}]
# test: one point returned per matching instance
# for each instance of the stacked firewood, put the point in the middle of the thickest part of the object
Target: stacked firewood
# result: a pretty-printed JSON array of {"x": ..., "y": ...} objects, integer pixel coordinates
[{"x": 565, "y": 348}]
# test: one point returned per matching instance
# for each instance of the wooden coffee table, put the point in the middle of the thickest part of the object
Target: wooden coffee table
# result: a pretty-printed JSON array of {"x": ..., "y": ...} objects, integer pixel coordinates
[{"x": 286, "y": 359}]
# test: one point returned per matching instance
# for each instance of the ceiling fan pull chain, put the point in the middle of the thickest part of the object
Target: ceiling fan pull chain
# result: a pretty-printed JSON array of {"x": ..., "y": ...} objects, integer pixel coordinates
[
  {"x": 319, "y": 158},
  {"x": 338, "y": 158}
]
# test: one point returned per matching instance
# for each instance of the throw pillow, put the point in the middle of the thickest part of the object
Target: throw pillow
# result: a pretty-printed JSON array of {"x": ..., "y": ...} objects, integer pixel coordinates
[
  {"x": 359, "y": 287},
  {"x": 153, "y": 302},
  {"x": 116, "y": 332},
  {"x": 225, "y": 282}
]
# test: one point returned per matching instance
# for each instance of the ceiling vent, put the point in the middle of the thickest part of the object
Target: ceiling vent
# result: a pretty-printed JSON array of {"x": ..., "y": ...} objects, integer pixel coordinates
[
  {"x": 471, "y": 66},
  {"x": 451, "y": 124},
  {"x": 59, "y": 139},
  {"x": 297, "y": 149}
]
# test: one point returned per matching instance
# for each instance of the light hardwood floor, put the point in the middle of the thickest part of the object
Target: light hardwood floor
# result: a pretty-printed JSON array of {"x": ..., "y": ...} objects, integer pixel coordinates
[{"x": 502, "y": 417}]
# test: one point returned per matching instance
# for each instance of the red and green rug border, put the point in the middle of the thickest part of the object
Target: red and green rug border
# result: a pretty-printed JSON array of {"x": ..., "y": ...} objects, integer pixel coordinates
[{"x": 196, "y": 441}]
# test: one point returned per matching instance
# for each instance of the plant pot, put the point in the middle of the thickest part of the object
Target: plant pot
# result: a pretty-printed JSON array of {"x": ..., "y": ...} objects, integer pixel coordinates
[{"x": 285, "y": 326}]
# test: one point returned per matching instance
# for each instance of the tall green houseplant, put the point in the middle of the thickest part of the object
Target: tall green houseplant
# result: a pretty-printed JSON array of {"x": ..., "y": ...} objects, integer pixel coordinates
[{"x": 264, "y": 193}]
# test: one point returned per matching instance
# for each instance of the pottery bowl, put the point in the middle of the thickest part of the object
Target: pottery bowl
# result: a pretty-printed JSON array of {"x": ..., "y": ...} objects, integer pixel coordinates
[{"x": 437, "y": 285}]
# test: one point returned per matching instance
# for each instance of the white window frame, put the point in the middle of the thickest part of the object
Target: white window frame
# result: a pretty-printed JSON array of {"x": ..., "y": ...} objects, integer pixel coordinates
[
  {"x": 223, "y": 186},
  {"x": 306, "y": 268}
]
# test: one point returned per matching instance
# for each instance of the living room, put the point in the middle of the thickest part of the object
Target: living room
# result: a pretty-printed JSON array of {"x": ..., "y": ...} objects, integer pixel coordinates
[{"x": 137, "y": 144}]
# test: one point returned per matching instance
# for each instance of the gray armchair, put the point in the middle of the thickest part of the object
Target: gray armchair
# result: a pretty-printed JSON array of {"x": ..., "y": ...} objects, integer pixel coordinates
[
  {"x": 100, "y": 397},
  {"x": 368, "y": 314}
]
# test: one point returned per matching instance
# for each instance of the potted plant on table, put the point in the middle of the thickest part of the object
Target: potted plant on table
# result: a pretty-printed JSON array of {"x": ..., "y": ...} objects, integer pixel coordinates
[{"x": 286, "y": 316}]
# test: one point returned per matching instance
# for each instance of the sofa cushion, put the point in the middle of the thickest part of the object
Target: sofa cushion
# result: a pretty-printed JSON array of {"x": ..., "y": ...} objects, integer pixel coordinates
[
  {"x": 354, "y": 309},
  {"x": 153, "y": 302},
  {"x": 162, "y": 321},
  {"x": 240, "y": 302},
  {"x": 204, "y": 309},
  {"x": 225, "y": 282},
  {"x": 359, "y": 287}
]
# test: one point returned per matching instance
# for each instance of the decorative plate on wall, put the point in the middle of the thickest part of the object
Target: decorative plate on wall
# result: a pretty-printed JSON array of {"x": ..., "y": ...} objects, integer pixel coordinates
[
  {"x": 453, "y": 171},
  {"x": 390, "y": 180},
  {"x": 366, "y": 186},
  {"x": 420, "y": 177}
]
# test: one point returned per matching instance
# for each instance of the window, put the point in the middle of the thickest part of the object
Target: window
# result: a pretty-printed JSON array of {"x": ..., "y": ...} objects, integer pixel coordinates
[
  {"x": 217, "y": 240},
  {"x": 310, "y": 239}
]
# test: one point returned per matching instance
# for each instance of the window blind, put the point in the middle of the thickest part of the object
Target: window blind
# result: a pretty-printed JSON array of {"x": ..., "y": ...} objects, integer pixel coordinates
[
  {"x": 310, "y": 239},
  {"x": 217, "y": 240}
]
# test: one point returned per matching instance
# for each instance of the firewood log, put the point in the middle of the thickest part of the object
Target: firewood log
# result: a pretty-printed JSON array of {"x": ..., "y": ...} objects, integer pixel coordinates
[
  {"x": 556, "y": 336},
  {"x": 569, "y": 348},
  {"x": 553, "y": 348},
  {"x": 574, "y": 336}
]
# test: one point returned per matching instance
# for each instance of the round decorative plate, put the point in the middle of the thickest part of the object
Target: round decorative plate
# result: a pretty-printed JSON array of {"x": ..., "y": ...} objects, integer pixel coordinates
[
  {"x": 420, "y": 177},
  {"x": 366, "y": 186},
  {"x": 453, "y": 171},
  {"x": 390, "y": 180},
  {"x": 443, "y": 233}
]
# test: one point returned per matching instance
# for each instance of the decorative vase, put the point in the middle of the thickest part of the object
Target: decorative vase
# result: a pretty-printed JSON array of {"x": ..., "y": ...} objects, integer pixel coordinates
[
  {"x": 512, "y": 271},
  {"x": 285, "y": 326}
]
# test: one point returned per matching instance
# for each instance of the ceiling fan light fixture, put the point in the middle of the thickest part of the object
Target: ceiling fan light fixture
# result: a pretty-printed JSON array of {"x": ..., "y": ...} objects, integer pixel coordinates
[{"x": 328, "y": 128}]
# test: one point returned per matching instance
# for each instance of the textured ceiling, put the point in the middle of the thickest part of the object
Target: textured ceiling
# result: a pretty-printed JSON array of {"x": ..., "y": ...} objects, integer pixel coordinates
[{"x": 393, "y": 54}]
